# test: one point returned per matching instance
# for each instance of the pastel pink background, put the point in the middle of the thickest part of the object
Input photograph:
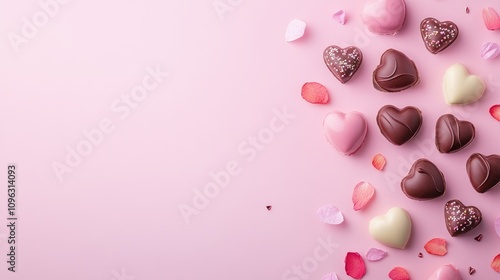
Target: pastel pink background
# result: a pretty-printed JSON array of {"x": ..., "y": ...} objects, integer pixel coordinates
[{"x": 119, "y": 210}]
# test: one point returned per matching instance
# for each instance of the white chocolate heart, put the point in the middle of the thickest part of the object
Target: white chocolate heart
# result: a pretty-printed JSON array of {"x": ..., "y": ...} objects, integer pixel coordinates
[
  {"x": 461, "y": 88},
  {"x": 392, "y": 229}
]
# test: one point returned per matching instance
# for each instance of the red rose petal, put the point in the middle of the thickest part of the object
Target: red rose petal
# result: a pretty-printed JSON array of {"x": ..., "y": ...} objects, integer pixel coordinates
[
  {"x": 315, "y": 93},
  {"x": 436, "y": 246},
  {"x": 495, "y": 264},
  {"x": 354, "y": 265},
  {"x": 362, "y": 195},
  {"x": 378, "y": 161},
  {"x": 399, "y": 273},
  {"x": 491, "y": 18},
  {"x": 495, "y": 112}
]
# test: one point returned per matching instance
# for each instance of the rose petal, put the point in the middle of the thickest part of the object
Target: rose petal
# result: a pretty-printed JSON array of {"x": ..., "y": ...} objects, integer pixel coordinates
[
  {"x": 315, "y": 93},
  {"x": 399, "y": 273},
  {"x": 354, "y": 265},
  {"x": 495, "y": 113},
  {"x": 295, "y": 30},
  {"x": 490, "y": 50},
  {"x": 491, "y": 18},
  {"x": 378, "y": 161},
  {"x": 339, "y": 16},
  {"x": 330, "y": 214},
  {"x": 362, "y": 195},
  {"x": 495, "y": 264},
  {"x": 436, "y": 246},
  {"x": 375, "y": 254},
  {"x": 330, "y": 276}
]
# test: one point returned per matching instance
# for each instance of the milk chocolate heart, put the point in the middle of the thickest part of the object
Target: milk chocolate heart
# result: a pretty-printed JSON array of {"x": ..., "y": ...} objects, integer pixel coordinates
[
  {"x": 453, "y": 135},
  {"x": 399, "y": 125},
  {"x": 392, "y": 229},
  {"x": 345, "y": 132},
  {"x": 396, "y": 72},
  {"x": 483, "y": 171},
  {"x": 460, "y": 219},
  {"x": 461, "y": 88},
  {"x": 343, "y": 63},
  {"x": 424, "y": 181},
  {"x": 438, "y": 35}
]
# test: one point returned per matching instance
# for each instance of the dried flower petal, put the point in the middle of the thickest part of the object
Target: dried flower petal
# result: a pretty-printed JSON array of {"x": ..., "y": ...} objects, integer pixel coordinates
[
  {"x": 399, "y": 273},
  {"x": 330, "y": 276},
  {"x": 490, "y": 50},
  {"x": 339, "y": 16},
  {"x": 375, "y": 254},
  {"x": 491, "y": 18},
  {"x": 362, "y": 195},
  {"x": 330, "y": 214},
  {"x": 495, "y": 113},
  {"x": 315, "y": 93},
  {"x": 295, "y": 30},
  {"x": 354, "y": 265},
  {"x": 378, "y": 161},
  {"x": 436, "y": 246},
  {"x": 495, "y": 264}
]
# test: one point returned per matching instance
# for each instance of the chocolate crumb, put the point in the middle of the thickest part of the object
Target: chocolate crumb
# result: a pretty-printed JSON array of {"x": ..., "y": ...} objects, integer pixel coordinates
[
  {"x": 471, "y": 270},
  {"x": 269, "y": 207},
  {"x": 479, "y": 237},
  {"x": 467, "y": 10},
  {"x": 420, "y": 255}
]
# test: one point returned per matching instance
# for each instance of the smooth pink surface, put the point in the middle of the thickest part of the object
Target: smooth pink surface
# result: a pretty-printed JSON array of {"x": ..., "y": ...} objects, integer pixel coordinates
[
  {"x": 346, "y": 132},
  {"x": 118, "y": 211},
  {"x": 446, "y": 272},
  {"x": 384, "y": 17}
]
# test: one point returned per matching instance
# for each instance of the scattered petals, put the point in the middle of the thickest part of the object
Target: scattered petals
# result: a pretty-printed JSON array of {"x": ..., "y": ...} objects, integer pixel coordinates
[
  {"x": 339, "y": 16},
  {"x": 378, "y": 161},
  {"x": 399, "y": 273},
  {"x": 495, "y": 264},
  {"x": 420, "y": 255},
  {"x": 467, "y": 10},
  {"x": 491, "y": 18},
  {"x": 479, "y": 237},
  {"x": 315, "y": 93},
  {"x": 330, "y": 214},
  {"x": 490, "y": 50},
  {"x": 436, "y": 246},
  {"x": 495, "y": 113},
  {"x": 330, "y": 276},
  {"x": 362, "y": 195},
  {"x": 295, "y": 30},
  {"x": 471, "y": 270},
  {"x": 354, "y": 265},
  {"x": 269, "y": 207},
  {"x": 375, "y": 254}
]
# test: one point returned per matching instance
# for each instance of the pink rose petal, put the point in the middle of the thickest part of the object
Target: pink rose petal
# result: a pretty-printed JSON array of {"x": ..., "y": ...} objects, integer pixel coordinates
[
  {"x": 497, "y": 226},
  {"x": 330, "y": 276},
  {"x": 295, "y": 30},
  {"x": 339, "y": 16},
  {"x": 490, "y": 50},
  {"x": 354, "y": 265},
  {"x": 362, "y": 195},
  {"x": 375, "y": 254},
  {"x": 330, "y": 214},
  {"x": 495, "y": 112}
]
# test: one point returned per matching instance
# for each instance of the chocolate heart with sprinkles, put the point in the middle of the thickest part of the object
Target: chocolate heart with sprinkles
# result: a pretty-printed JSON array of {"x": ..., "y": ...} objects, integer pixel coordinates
[
  {"x": 459, "y": 218},
  {"x": 343, "y": 63},
  {"x": 438, "y": 35}
]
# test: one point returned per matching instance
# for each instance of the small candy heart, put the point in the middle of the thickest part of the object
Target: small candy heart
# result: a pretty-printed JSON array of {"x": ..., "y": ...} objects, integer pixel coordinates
[
  {"x": 392, "y": 229},
  {"x": 461, "y": 88},
  {"x": 460, "y": 219},
  {"x": 396, "y": 72},
  {"x": 446, "y": 272},
  {"x": 345, "y": 132},
  {"x": 452, "y": 135},
  {"x": 483, "y": 171},
  {"x": 438, "y": 35},
  {"x": 384, "y": 17},
  {"x": 343, "y": 63},
  {"x": 424, "y": 181},
  {"x": 399, "y": 125}
]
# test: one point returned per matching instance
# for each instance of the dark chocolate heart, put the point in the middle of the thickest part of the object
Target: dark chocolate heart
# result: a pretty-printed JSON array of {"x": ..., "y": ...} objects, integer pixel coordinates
[
  {"x": 396, "y": 72},
  {"x": 343, "y": 63},
  {"x": 399, "y": 125},
  {"x": 424, "y": 181},
  {"x": 438, "y": 35},
  {"x": 483, "y": 171},
  {"x": 453, "y": 135},
  {"x": 459, "y": 218}
]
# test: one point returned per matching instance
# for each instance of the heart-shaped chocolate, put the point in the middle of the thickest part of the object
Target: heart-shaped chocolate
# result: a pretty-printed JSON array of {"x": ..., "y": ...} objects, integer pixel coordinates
[
  {"x": 343, "y": 63},
  {"x": 424, "y": 181},
  {"x": 396, "y": 72},
  {"x": 384, "y": 17},
  {"x": 459, "y": 218},
  {"x": 453, "y": 135},
  {"x": 438, "y": 35},
  {"x": 483, "y": 171},
  {"x": 399, "y": 125},
  {"x": 460, "y": 87},
  {"x": 392, "y": 229},
  {"x": 345, "y": 132}
]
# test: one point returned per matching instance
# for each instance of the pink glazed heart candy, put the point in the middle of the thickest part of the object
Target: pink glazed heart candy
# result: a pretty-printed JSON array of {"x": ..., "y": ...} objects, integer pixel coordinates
[
  {"x": 446, "y": 272},
  {"x": 345, "y": 132},
  {"x": 384, "y": 17}
]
